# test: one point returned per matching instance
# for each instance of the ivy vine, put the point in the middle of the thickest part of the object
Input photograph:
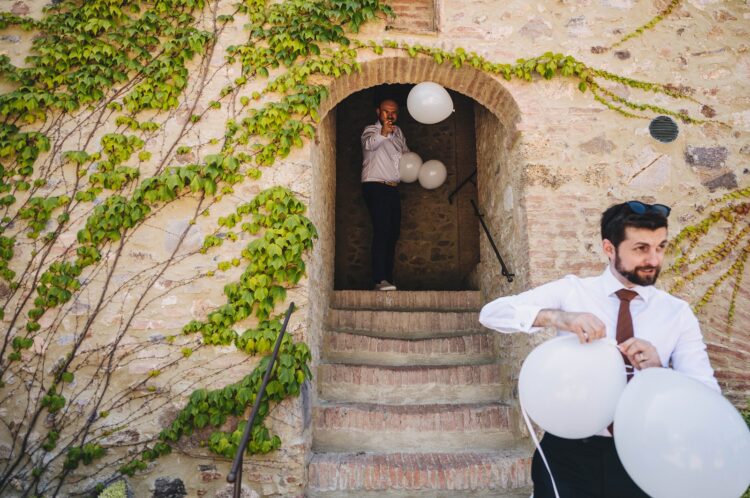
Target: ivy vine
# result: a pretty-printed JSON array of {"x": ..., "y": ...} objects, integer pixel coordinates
[
  {"x": 650, "y": 24},
  {"x": 727, "y": 257}
]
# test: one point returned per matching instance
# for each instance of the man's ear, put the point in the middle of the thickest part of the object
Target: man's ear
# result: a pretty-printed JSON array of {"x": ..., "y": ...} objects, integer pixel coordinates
[{"x": 609, "y": 249}]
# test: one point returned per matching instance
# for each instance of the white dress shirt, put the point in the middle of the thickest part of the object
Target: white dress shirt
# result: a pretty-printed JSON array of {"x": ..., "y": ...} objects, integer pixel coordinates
[
  {"x": 658, "y": 317},
  {"x": 381, "y": 155}
]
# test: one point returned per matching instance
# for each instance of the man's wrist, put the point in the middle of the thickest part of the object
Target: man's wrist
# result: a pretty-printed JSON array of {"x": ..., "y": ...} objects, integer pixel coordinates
[{"x": 549, "y": 318}]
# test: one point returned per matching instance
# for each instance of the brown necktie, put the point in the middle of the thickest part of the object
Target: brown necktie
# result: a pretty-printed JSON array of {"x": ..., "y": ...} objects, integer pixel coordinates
[
  {"x": 625, "y": 320},
  {"x": 624, "y": 328}
]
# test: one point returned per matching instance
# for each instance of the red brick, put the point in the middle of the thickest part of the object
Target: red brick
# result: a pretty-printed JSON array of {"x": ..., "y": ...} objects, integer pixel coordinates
[{"x": 397, "y": 418}]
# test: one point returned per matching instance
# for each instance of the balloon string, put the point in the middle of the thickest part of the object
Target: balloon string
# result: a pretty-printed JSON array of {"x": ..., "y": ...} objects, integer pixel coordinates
[
  {"x": 539, "y": 446},
  {"x": 539, "y": 449}
]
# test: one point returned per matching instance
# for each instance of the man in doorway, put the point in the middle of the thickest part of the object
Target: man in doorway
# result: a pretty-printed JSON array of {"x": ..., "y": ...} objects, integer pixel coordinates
[
  {"x": 383, "y": 143},
  {"x": 652, "y": 329}
]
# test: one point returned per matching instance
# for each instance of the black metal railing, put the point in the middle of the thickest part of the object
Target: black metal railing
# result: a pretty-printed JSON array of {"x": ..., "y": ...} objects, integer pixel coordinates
[
  {"x": 462, "y": 184},
  {"x": 506, "y": 273},
  {"x": 235, "y": 474}
]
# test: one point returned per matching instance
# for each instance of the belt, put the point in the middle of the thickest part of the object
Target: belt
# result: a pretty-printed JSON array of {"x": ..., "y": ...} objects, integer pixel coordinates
[
  {"x": 602, "y": 442},
  {"x": 390, "y": 184}
]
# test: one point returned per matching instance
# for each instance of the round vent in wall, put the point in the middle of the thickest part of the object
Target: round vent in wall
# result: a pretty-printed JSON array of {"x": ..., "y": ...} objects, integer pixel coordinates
[{"x": 664, "y": 129}]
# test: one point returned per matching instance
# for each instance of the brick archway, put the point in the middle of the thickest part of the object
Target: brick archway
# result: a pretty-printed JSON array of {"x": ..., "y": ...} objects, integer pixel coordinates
[
  {"x": 500, "y": 161},
  {"x": 499, "y": 158},
  {"x": 483, "y": 88}
]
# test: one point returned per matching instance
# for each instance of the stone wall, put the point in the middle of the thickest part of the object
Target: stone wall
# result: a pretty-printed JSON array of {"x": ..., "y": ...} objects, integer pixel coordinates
[{"x": 550, "y": 159}]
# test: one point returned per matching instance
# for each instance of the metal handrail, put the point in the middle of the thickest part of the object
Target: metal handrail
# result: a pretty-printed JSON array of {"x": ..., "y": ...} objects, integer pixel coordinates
[
  {"x": 506, "y": 273},
  {"x": 235, "y": 474},
  {"x": 461, "y": 185}
]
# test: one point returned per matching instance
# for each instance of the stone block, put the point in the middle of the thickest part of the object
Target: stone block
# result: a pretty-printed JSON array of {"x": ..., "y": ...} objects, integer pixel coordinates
[
  {"x": 228, "y": 492},
  {"x": 654, "y": 175},
  {"x": 706, "y": 157},
  {"x": 598, "y": 145},
  {"x": 622, "y": 54},
  {"x": 20, "y": 9},
  {"x": 536, "y": 28},
  {"x": 169, "y": 487},
  {"x": 727, "y": 181}
]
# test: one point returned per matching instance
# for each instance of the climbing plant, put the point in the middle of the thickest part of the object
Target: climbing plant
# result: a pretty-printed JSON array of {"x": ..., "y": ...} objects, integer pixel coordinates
[
  {"x": 100, "y": 135},
  {"x": 729, "y": 217},
  {"x": 668, "y": 9}
]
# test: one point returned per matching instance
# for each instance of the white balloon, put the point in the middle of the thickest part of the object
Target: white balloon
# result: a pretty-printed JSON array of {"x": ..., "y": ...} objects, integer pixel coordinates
[
  {"x": 408, "y": 167},
  {"x": 432, "y": 174},
  {"x": 678, "y": 438},
  {"x": 571, "y": 389},
  {"x": 429, "y": 103}
]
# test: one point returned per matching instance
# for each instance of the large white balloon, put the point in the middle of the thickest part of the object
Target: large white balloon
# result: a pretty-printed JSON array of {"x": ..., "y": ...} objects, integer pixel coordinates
[
  {"x": 571, "y": 389},
  {"x": 408, "y": 167},
  {"x": 432, "y": 174},
  {"x": 429, "y": 103},
  {"x": 679, "y": 438}
]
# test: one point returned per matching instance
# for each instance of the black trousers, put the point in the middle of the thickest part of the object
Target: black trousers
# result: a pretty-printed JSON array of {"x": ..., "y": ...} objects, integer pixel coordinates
[
  {"x": 582, "y": 468},
  {"x": 384, "y": 206}
]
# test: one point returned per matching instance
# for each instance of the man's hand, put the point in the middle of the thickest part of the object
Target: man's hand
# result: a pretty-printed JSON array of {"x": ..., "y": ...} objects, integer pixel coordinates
[
  {"x": 585, "y": 325},
  {"x": 642, "y": 354},
  {"x": 387, "y": 128}
]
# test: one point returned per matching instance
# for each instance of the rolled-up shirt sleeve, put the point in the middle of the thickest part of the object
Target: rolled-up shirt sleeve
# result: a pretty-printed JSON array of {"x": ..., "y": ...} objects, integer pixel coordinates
[
  {"x": 517, "y": 313},
  {"x": 689, "y": 355}
]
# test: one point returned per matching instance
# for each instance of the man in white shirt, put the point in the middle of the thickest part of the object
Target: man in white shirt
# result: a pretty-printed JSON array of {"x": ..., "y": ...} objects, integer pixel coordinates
[
  {"x": 383, "y": 143},
  {"x": 621, "y": 302}
]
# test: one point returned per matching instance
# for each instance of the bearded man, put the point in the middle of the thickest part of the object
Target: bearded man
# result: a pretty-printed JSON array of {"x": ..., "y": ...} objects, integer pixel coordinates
[{"x": 652, "y": 329}]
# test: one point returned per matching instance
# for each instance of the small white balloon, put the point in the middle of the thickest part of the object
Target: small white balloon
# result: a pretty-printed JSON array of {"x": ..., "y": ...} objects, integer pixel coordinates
[
  {"x": 432, "y": 174},
  {"x": 678, "y": 438},
  {"x": 571, "y": 389},
  {"x": 408, "y": 167},
  {"x": 429, "y": 103}
]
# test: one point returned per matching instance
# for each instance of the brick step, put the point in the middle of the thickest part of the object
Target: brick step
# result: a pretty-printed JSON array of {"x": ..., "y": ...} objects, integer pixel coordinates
[
  {"x": 503, "y": 473},
  {"x": 407, "y": 300},
  {"x": 454, "y": 384},
  {"x": 524, "y": 492},
  {"x": 341, "y": 347},
  {"x": 405, "y": 324},
  {"x": 351, "y": 427}
]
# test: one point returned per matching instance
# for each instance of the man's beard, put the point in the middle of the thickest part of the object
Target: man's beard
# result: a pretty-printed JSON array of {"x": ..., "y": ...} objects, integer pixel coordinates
[{"x": 633, "y": 276}]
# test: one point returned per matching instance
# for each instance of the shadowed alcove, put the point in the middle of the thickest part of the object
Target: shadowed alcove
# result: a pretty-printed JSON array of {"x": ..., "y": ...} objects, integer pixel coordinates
[{"x": 439, "y": 244}]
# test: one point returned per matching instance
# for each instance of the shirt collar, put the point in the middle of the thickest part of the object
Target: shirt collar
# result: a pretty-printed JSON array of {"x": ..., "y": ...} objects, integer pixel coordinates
[{"x": 612, "y": 285}]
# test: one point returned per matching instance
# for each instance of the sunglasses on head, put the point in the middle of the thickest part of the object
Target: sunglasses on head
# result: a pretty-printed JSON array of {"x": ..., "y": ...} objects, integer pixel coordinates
[{"x": 639, "y": 207}]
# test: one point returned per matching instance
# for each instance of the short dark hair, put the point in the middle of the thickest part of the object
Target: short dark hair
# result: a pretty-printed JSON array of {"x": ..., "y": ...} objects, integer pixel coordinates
[
  {"x": 620, "y": 216},
  {"x": 384, "y": 99}
]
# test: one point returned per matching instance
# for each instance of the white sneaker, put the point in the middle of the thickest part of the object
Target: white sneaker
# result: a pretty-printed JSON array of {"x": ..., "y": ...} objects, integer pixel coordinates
[{"x": 385, "y": 285}]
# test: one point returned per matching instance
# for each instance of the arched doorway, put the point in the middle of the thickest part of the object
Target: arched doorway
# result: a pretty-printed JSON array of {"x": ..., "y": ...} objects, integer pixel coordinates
[
  {"x": 498, "y": 158},
  {"x": 373, "y": 351},
  {"x": 439, "y": 244}
]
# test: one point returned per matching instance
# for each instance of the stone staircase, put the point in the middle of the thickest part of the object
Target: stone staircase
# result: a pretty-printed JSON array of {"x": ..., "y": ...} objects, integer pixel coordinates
[{"x": 409, "y": 401}]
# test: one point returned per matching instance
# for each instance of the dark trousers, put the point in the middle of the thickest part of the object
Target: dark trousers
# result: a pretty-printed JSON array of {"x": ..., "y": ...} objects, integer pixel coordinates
[
  {"x": 582, "y": 468},
  {"x": 384, "y": 206}
]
